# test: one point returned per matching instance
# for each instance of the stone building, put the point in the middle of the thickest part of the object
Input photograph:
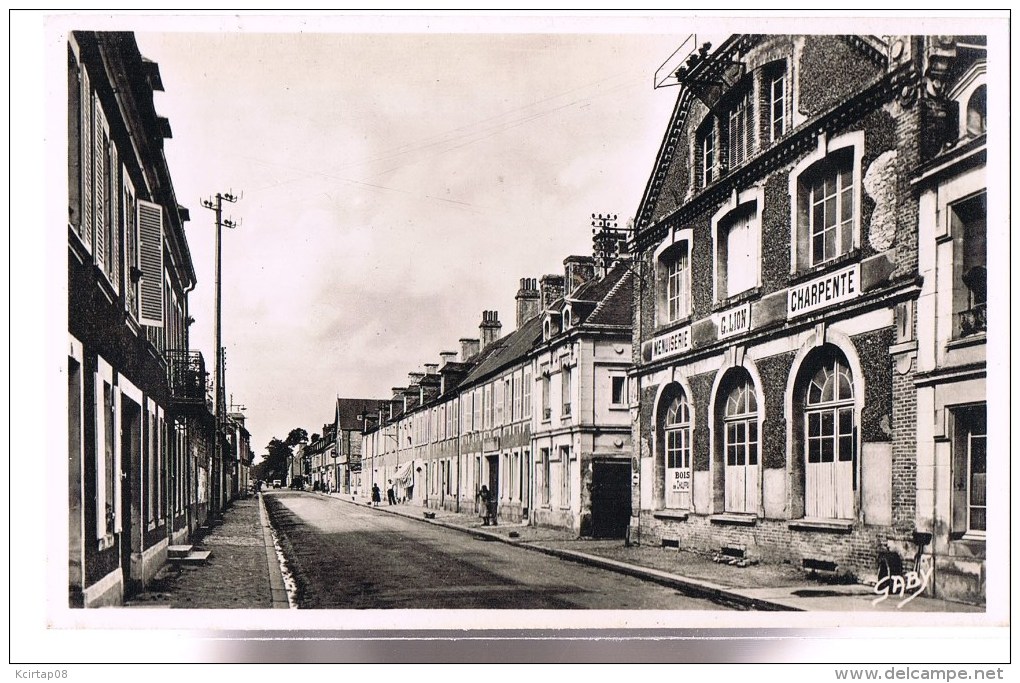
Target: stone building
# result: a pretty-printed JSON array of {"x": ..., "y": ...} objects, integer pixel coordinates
[
  {"x": 950, "y": 184},
  {"x": 140, "y": 437},
  {"x": 775, "y": 328}
]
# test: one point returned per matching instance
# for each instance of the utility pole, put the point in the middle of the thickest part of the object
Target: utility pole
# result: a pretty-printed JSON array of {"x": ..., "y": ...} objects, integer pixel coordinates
[{"x": 218, "y": 396}]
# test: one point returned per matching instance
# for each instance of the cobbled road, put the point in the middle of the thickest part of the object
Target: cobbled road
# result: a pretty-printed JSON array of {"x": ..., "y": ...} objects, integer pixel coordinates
[{"x": 344, "y": 556}]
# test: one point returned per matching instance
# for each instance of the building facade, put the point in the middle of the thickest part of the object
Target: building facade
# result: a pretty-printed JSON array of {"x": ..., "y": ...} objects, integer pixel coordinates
[
  {"x": 140, "y": 426},
  {"x": 775, "y": 347},
  {"x": 581, "y": 434},
  {"x": 952, "y": 320}
]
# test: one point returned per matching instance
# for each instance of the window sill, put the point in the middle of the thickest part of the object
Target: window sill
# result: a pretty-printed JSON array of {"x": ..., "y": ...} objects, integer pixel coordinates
[
  {"x": 619, "y": 406},
  {"x": 678, "y": 515},
  {"x": 969, "y": 340},
  {"x": 673, "y": 324},
  {"x": 970, "y": 537},
  {"x": 842, "y": 526},
  {"x": 734, "y": 519},
  {"x": 810, "y": 272},
  {"x": 742, "y": 297}
]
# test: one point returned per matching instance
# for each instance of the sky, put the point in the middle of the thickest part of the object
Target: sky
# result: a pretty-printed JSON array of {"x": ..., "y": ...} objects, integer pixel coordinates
[{"x": 394, "y": 182}]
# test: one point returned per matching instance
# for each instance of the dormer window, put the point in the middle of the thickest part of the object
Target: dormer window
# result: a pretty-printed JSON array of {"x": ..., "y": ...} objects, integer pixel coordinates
[
  {"x": 673, "y": 278},
  {"x": 739, "y": 129},
  {"x": 706, "y": 152},
  {"x": 774, "y": 81},
  {"x": 976, "y": 116},
  {"x": 970, "y": 95}
]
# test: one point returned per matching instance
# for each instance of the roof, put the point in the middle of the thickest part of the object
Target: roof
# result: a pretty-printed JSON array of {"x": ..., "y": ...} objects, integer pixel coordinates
[
  {"x": 507, "y": 350},
  {"x": 617, "y": 306},
  {"x": 348, "y": 409}
]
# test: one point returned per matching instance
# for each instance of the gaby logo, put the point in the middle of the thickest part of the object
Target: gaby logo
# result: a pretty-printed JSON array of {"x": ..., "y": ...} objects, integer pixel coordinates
[{"x": 908, "y": 586}]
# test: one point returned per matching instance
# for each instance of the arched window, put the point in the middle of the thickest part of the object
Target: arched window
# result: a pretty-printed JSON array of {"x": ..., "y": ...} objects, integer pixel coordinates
[
  {"x": 976, "y": 108},
  {"x": 677, "y": 435},
  {"x": 829, "y": 425},
  {"x": 740, "y": 446}
]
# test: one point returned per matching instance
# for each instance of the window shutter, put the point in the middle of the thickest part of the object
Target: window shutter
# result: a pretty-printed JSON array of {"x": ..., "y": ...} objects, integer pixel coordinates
[
  {"x": 114, "y": 229},
  {"x": 150, "y": 235},
  {"x": 99, "y": 187},
  {"x": 86, "y": 159}
]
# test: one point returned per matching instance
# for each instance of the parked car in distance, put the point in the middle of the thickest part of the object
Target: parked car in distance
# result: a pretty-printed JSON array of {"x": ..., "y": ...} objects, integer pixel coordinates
[{"x": 277, "y": 484}]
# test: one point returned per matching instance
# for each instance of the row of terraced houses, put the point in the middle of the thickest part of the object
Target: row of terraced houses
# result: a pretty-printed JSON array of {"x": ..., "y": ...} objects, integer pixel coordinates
[
  {"x": 788, "y": 361},
  {"x": 148, "y": 465}
]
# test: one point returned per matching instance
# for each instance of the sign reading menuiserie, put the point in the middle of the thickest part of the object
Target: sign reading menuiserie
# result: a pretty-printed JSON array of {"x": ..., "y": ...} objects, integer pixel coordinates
[
  {"x": 831, "y": 288},
  {"x": 669, "y": 344}
]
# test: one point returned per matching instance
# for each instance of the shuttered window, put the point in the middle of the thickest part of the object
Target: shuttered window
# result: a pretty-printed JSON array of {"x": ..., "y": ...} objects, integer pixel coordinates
[
  {"x": 100, "y": 147},
  {"x": 150, "y": 233},
  {"x": 86, "y": 160}
]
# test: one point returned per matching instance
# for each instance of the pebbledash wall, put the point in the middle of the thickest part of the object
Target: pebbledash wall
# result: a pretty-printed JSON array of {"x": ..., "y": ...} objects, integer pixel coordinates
[{"x": 775, "y": 322}]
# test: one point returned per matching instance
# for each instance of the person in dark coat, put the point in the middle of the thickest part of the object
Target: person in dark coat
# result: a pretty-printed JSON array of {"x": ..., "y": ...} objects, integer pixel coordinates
[
  {"x": 376, "y": 497},
  {"x": 488, "y": 506},
  {"x": 391, "y": 494}
]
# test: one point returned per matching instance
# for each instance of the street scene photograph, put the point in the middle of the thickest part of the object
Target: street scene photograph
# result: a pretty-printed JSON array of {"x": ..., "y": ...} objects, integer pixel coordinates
[{"x": 537, "y": 322}]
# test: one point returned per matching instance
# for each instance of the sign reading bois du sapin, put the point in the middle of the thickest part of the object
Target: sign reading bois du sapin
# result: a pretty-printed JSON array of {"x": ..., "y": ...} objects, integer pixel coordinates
[{"x": 831, "y": 288}]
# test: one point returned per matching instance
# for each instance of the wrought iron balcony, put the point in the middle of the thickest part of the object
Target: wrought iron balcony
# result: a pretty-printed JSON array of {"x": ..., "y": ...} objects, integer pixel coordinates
[
  {"x": 973, "y": 321},
  {"x": 187, "y": 377}
]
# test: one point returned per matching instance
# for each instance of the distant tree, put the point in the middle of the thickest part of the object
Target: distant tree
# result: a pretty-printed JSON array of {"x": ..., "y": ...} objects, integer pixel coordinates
[
  {"x": 296, "y": 436},
  {"x": 313, "y": 438},
  {"x": 276, "y": 460}
]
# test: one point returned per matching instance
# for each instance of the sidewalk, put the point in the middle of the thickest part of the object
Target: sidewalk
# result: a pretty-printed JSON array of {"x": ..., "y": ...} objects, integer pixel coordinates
[
  {"x": 767, "y": 587},
  {"x": 242, "y": 571}
]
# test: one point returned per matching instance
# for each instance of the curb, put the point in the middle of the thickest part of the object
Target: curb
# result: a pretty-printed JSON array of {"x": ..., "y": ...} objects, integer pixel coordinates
[
  {"x": 693, "y": 587},
  {"x": 276, "y": 585}
]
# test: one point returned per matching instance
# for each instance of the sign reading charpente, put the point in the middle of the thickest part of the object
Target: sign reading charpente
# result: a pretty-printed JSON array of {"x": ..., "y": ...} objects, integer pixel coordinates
[{"x": 831, "y": 288}]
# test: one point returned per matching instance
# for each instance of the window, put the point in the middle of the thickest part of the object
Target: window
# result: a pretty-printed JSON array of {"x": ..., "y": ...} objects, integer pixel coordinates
[
  {"x": 706, "y": 151},
  {"x": 565, "y": 391},
  {"x": 476, "y": 409},
  {"x": 678, "y": 284},
  {"x": 740, "y": 445},
  {"x": 517, "y": 396},
  {"x": 737, "y": 257},
  {"x": 619, "y": 390},
  {"x": 775, "y": 82},
  {"x": 739, "y": 130},
  {"x": 976, "y": 121},
  {"x": 546, "y": 474},
  {"x": 546, "y": 401},
  {"x": 968, "y": 226},
  {"x": 677, "y": 436},
  {"x": 565, "y": 478},
  {"x": 526, "y": 395},
  {"x": 970, "y": 470},
  {"x": 828, "y": 215},
  {"x": 106, "y": 463},
  {"x": 829, "y": 441}
]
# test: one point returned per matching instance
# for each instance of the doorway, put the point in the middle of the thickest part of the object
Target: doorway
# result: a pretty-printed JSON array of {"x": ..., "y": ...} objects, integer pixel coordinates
[
  {"x": 610, "y": 499},
  {"x": 130, "y": 506}
]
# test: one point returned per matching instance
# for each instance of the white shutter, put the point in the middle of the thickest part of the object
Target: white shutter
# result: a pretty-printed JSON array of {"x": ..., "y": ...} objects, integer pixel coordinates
[
  {"x": 115, "y": 228},
  {"x": 150, "y": 289},
  {"x": 86, "y": 159},
  {"x": 99, "y": 186}
]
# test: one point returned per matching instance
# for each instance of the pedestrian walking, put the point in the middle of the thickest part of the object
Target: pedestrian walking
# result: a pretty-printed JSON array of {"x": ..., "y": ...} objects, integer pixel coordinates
[
  {"x": 391, "y": 495},
  {"x": 376, "y": 497}
]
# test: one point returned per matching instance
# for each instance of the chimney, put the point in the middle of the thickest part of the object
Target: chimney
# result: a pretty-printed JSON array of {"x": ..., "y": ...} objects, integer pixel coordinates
[
  {"x": 431, "y": 368},
  {"x": 413, "y": 378},
  {"x": 528, "y": 301},
  {"x": 579, "y": 270},
  {"x": 551, "y": 290},
  {"x": 488, "y": 331},
  {"x": 447, "y": 357},
  {"x": 468, "y": 349}
]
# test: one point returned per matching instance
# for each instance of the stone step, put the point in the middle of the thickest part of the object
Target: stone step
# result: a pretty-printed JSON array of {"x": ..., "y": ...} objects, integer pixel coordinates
[
  {"x": 177, "y": 551},
  {"x": 193, "y": 557}
]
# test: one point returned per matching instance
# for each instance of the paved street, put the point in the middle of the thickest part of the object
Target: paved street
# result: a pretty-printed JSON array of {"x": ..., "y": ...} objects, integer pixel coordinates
[{"x": 353, "y": 557}]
